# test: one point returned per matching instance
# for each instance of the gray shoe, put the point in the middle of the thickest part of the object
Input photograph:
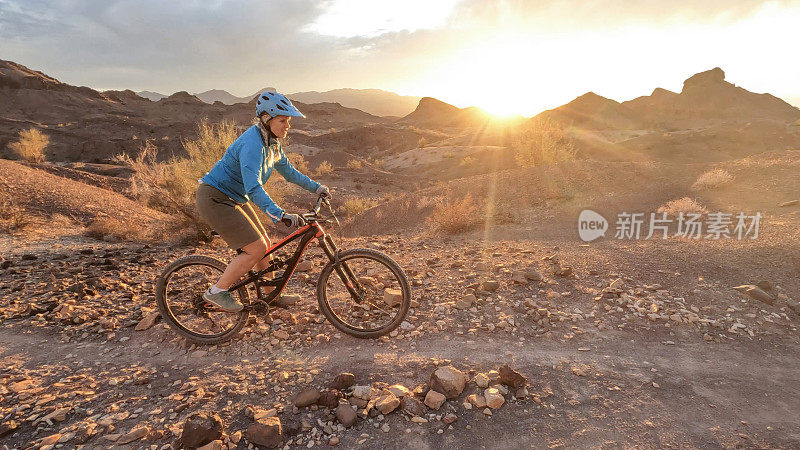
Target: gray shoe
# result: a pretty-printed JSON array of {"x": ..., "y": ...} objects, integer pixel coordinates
[{"x": 224, "y": 300}]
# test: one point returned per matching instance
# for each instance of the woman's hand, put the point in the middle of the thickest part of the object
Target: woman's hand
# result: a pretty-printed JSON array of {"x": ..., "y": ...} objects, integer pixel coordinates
[
  {"x": 292, "y": 220},
  {"x": 324, "y": 191}
]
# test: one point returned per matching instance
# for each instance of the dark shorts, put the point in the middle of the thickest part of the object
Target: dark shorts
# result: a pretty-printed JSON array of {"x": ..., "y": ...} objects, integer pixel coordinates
[{"x": 236, "y": 223}]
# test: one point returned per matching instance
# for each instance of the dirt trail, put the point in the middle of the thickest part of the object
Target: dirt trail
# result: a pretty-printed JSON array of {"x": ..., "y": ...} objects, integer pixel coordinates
[{"x": 637, "y": 391}]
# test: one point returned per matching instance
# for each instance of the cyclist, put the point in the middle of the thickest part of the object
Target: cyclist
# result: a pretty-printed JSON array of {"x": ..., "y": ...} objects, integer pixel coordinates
[{"x": 224, "y": 192}]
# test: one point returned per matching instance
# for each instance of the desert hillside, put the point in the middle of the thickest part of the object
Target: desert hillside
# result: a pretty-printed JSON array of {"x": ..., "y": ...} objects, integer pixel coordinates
[{"x": 535, "y": 336}]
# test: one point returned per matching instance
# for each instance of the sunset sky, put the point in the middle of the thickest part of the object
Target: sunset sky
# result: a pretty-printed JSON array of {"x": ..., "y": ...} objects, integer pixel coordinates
[{"x": 505, "y": 56}]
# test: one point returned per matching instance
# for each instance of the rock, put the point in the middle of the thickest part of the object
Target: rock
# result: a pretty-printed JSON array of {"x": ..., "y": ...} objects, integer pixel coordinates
[
  {"x": 7, "y": 428},
  {"x": 493, "y": 397},
  {"x": 448, "y": 380},
  {"x": 50, "y": 440},
  {"x": 490, "y": 285},
  {"x": 333, "y": 441},
  {"x": 213, "y": 445},
  {"x": 346, "y": 416},
  {"x": 306, "y": 397},
  {"x": 386, "y": 402},
  {"x": 392, "y": 297},
  {"x": 466, "y": 301},
  {"x": 449, "y": 418},
  {"x": 329, "y": 398},
  {"x": 764, "y": 285},
  {"x": 358, "y": 402},
  {"x": 789, "y": 203},
  {"x": 362, "y": 392},
  {"x": 400, "y": 391},
  {"x": 511, "y": 377},
  {"x": 288, "y": 299},
  {"x": 133, "y": 435},
  {"x": 200, "y": 429},
  {"x": 434, "y": 400},
  {"x": 6, "y": 263},
  {"x": 304, "y": 266},
  {"x": 343, "y": 381},
  {"x": 281, "y": 334},
  {"x": 533, "y": 275},
  {"x": 481, "y": 380},
  {"x": 266, "y": 432},
  {"x": 477, "y": 400},
  {"x": 418, "y": 419},
  {"x": 59, "y": 415},
  {"x": 413, "y": 407},
  {"x": 148, "y": 321},
  {"x": 519, "y": 277},
  {"x": 756, "y": 293}
]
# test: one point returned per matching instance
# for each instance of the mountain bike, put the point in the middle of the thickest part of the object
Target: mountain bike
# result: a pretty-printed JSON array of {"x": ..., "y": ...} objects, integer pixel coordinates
[{"x": 362, "y": 292}]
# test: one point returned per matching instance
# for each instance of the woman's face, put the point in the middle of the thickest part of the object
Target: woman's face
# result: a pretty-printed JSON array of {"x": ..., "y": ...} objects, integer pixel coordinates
[{"x": 280, "y": 125}]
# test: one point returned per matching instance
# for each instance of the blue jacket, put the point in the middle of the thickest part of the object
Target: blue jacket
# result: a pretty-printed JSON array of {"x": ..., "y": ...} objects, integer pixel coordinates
[{"x": 247, "y": 165}]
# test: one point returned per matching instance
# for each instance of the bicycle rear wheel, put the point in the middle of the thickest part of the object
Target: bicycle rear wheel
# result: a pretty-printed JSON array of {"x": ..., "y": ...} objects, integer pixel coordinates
[
  {"x": 179, "y": 295},
  {"x": 366, "y": 295}
]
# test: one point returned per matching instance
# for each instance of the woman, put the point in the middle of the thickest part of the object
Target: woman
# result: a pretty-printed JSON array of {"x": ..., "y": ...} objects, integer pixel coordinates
[{"x": 238, "y": 178}]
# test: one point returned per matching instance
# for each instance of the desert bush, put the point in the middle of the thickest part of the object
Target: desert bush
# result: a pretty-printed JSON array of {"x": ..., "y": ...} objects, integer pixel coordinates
[
  {"x": 468, "y": 161},
  {"x": 298, "y": 161},
  {"x": 325, "y": 168},
  {"x": 30, "y": 145},
  {"x": 712, "y": 180},
  {"x": 682, "y": 205},
  {"x": 356, "y": 205},
  {"x": 170, "y": 186},
  {"x": 354, "y": 164},
  {"x": 111, "y": 228},
  {"x": 13, "y": 218},
  {"x": 422, "y": 142},
  {"x": 455, "y": 215},
  {"x": 542, "y": 142}
]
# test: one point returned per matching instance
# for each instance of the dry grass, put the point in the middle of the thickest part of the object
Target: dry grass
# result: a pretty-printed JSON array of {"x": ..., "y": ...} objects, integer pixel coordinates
[
  {"x": 170, "y": 186},
  {"x": 30, "y": 145},
  {"x": 325, "y": 168},
  {"x": 112, "y": 229},
  {"x": 298, "y": 161},
  {"x": 468, "y": 161},
  {"x": 712, "y": 180},
  {"x": 455, "y": 215},
  {"x": 356, "y": 205},
  {"x": 354, "y": 164},
  {"x": 682, "y": 205},
  {"x": 422, "y": 143},
  {"x": 13, "y": 218},
  {"x": 542, "y": 142}
]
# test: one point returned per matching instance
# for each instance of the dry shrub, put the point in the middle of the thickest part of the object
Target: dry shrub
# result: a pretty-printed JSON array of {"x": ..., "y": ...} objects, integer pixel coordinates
[
  {"x": 354, "y": 164},
  {"x": 422, "y": 143},
  {"x": 113, "y": 229},
  {"x": 682, "y": 205},
  {"x": 13, "y": 218},
  {"x": 31, "y": 145},
  {"x": 325, "y": 168},
  {"x": 468, "y": 161},
  {"x": 357, "y": 205},
  {"x": 712, "y": 180},
  {"x": 298, "y": 161},
  {"x": 543, "y": 142},
  {"x": 456, "y": 215},
  {"x": 171, "y": 186}
]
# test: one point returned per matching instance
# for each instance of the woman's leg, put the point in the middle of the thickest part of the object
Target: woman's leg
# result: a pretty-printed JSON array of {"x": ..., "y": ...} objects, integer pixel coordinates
[
  {"x": 251, "y": 214},
  {"x": 251, "y": 254}
]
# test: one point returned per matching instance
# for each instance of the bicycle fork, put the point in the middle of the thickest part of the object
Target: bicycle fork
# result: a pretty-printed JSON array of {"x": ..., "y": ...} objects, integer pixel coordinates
[{"x": 342, "y": 269}]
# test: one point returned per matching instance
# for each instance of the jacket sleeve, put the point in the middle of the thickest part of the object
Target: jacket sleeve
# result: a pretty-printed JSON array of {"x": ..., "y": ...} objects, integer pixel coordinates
[
  {"x": 251, "y": 162},
  {"x": 287, "y": 170}
]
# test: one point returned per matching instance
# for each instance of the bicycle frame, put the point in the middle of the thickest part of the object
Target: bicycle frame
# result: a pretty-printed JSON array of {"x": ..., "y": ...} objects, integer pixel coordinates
[{"x": 305, "y": 234}]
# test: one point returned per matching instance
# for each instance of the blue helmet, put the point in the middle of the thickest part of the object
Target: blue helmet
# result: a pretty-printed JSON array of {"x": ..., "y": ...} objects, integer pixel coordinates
[{"x": 275, "y": 104}]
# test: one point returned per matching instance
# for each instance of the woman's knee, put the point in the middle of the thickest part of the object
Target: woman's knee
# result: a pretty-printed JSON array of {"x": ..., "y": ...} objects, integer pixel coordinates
[{"x": 256, "y": 249}]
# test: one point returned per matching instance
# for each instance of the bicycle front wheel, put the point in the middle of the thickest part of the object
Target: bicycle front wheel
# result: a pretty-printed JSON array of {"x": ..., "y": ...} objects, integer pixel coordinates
[
  {"x": 179, "y": 295},
  {"x": 365, "y": 295}
]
